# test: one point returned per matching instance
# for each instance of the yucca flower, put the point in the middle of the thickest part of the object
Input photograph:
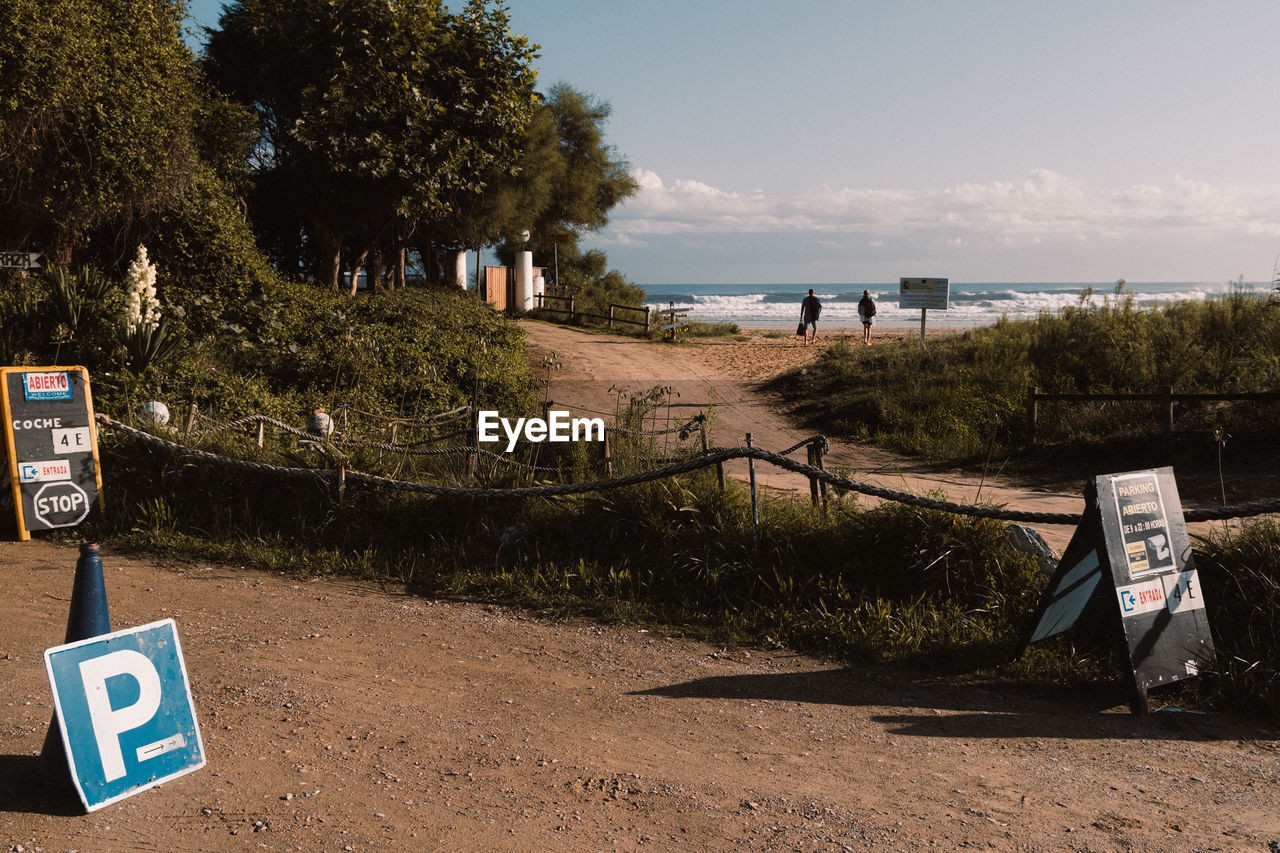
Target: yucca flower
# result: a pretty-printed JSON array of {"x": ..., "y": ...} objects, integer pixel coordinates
[{"x": 142, "y": 308}]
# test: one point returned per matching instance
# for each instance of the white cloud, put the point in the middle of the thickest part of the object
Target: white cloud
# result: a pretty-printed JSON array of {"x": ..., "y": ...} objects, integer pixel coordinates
[{"x": 1045, "y": 206}]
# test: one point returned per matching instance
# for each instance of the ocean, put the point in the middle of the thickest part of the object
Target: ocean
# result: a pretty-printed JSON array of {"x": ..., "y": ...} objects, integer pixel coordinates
[{"x": 972, "y": 304}]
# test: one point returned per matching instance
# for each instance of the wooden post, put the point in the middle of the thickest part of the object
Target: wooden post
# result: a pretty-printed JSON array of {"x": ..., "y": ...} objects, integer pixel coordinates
[
  {"x": 262, "y": 428},
  {"x": 608, "y": 458},
  {"x": 570, "y": 309},
  {"x": 646, "y": 319},
  {"x": 1032, "y": 412},
  {"x": 1166, "y": 408},
  {"x": 702, "y": 431},
  {"x": 191, "y": 418},
  {"x": 342, "y": 483},
  {"x": 611, "y": 316},
  {"x": 817, "y": 455},
  {"x": 813, "y": 481},
  {"x": 755, "y": 501},
  {"x": 393, "y": 438},
  {"x": 473, "y": 458}
]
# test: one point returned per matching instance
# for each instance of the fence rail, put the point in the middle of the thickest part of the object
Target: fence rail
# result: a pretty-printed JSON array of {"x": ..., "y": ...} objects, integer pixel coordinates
[
  {"x": 1165, "y": 397},
  {"x": 611, "y": 318}
]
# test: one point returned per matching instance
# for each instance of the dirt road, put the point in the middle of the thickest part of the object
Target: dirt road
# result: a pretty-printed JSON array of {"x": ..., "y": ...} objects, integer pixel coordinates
[
  {"x": 594, "y": 366},
  {"x": 341, "y": 715}
]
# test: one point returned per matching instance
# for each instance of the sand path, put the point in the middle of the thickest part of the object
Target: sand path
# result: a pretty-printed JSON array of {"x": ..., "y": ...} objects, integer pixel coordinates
[{"x": 594, "y": 365}]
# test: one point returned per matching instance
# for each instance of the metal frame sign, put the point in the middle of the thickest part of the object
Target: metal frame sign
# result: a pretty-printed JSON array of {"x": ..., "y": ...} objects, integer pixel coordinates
[
  {"x": 1157, "y": 589},
  {"x": 125, "y": 711},
  {"x": 1133, "y": 533},
  {"x": 51, "y": 444},
  {"x": 929, "y": 293}
]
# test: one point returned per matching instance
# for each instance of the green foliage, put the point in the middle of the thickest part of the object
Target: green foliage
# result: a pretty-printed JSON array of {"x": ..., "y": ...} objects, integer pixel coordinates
[
  {"x": 964, "y": 398},
  {"x": 24, "y": 324},
  {"x": 594, "y": 286},
  {"x": 373, "y": 114},
  {"x": 411, "y": 355},
  {"x": 97, "y": 111},
  {"x": 76, "y": 296},
  {"x": 701, "y": 329},
  {"x": 147, "y": 345},
  {"x": 1240, "y": 571}
]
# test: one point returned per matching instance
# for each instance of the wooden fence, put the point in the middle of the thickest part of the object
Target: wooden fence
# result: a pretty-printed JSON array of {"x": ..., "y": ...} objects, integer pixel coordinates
[
  {"x": 1165, "y": 398},
  {"x": 610, "y": 319}
]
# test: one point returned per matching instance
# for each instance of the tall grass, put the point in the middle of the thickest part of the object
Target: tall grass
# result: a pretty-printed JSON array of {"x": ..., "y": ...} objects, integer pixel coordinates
[{"x": 964, "y": 398}]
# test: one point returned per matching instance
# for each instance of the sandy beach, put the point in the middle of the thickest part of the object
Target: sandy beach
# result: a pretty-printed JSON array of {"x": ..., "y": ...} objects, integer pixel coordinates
[{"x": 761, "y": 352}]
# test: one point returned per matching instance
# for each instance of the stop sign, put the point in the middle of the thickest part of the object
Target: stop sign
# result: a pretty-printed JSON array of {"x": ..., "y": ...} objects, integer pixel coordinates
[{"x": 62, "y": 504}]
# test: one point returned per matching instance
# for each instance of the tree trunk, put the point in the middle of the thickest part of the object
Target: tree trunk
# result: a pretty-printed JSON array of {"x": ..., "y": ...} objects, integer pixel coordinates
[
  {"x": 375, "y": 271},
  {"x": 355, "y": 271},
  {"x": 333, "y": 246},
  {"x": 397, "y": 271}
]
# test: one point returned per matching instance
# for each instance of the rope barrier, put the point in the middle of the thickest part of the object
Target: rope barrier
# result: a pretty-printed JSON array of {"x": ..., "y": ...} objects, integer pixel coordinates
[
  {"x": 684, "y": 429},
  {"x": 705, "y": 460}
]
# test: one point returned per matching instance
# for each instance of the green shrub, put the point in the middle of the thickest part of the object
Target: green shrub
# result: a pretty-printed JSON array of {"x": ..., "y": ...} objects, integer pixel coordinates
[{"x": 964, "y": 399}]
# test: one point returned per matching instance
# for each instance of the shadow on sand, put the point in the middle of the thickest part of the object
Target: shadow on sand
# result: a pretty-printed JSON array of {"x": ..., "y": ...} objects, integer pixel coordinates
[
  {"x": 23, "y": 789},
  {"x": 924, "y": 706}
]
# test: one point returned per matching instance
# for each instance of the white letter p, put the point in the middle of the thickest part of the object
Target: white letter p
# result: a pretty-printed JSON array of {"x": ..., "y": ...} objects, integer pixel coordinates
[{"x": 109, "y": 724}]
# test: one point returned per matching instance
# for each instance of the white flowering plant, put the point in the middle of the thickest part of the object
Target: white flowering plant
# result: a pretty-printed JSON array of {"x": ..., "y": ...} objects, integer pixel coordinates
[
  {"x": 142, "y": 308},
  {"x": 145, "y": 333}
]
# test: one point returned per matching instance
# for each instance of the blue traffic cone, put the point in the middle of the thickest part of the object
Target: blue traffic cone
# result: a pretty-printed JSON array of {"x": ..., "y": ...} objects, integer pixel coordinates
[{"x": 88, "y": 618}]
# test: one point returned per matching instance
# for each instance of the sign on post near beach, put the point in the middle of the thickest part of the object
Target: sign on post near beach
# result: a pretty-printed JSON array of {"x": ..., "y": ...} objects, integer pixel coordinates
[{"x": 924, "y": 293}]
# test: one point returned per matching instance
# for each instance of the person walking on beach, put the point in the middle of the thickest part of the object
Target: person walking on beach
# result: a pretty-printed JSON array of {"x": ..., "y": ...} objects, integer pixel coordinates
[
  {"x": 866, "y": 310},
  {"x": 810, "y": 308}
]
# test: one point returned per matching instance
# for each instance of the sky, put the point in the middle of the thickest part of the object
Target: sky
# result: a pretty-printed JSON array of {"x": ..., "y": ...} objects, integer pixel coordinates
[{"x": 835, "y": 141}]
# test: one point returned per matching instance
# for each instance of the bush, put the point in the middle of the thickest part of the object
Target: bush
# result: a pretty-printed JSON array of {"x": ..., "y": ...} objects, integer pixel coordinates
[{"x": 964, "y": 398}]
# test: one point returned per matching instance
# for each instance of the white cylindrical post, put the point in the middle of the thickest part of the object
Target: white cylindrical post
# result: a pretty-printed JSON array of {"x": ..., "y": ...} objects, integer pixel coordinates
[
  {"x": 524, "y": 281},
  {"x": 460, "y": 269}
]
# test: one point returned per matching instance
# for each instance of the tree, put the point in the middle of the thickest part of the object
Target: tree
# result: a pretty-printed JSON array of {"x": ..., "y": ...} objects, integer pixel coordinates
[
  {"x": 375, "y": 113},
  {"x": 595, "y": 179},
  {"x": 98, "y": 103},
  {"x": 565, "y": 183}
]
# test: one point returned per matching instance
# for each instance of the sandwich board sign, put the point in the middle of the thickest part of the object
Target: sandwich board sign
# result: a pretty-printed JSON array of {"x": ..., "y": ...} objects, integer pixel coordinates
[
  {"x": 124, "y": 709},
  {"x": 50, "y": 442},
  {"x": 1130, "y": 560}
]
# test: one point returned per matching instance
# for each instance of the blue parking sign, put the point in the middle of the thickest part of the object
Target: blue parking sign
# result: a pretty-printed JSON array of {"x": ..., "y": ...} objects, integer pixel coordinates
[{"x": 125, "y": 711}]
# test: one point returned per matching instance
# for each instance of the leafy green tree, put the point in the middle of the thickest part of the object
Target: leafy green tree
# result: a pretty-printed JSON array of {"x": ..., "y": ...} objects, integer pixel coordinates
[
  {"x": 565, "y": 183},
  {"x": 374, "y": 114},
  {"x": 98, "y": 102},
  {"x": 594, "y": 179}
]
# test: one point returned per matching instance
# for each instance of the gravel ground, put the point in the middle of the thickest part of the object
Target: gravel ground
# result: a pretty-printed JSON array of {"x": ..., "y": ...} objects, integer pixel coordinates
[{"x": 342, "y": 715}]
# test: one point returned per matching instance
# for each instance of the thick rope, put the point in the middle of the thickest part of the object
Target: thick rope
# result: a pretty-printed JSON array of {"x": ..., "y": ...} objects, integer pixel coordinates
[{"x": 712, "y": 457}]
